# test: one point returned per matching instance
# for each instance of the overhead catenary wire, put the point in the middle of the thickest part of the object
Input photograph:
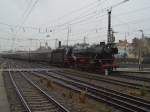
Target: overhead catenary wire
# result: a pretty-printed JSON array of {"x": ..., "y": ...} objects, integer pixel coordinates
[
  {"x": 125, "y": 23},
  {"x": 26, "y": 10},
  {"x": 63, "y": 24},
  {"x": 24, "y": 19},
  {"x": 77, "y": 22},
  {"x": 81, "y": 10},
  {"x": 85, "y": 20},
  {"x": 116, "y": 25},
  {"x": 29, "y": 12},
  {"x": 132, "y": 11},
  {"x": 93, "y": 30},
  {"x": 36, "y": 28}
]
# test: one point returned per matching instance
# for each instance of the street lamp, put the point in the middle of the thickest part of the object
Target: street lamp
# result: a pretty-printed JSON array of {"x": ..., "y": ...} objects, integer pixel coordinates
[
  {"x": 140, "y": 51},
  {"x": 142, "y": 33}
]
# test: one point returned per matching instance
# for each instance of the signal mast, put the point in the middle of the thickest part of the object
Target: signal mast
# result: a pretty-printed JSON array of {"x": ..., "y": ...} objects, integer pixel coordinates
[{"x": 110, "y": 33}]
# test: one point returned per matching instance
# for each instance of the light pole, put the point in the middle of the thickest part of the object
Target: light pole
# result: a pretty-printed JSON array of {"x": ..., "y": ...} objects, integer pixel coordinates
[
  {"x": 140, "y": 52},
  {"x": 56, "y": 40},
  {"x": 68, "y": 34},
  {"x": 142, "y": 34}
]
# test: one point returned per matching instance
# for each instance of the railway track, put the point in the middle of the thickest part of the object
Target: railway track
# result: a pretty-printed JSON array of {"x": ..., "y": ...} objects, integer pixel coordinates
[
  {"x": 123, "y": 83},
  {"x": 119, "y": 100},
  {"x": 67, "y": 101},
  {"x": 124, "y": 102},
  {"x": 134, "y": 76},
  {"x": 110, "y": 80},
  {"x": 120, "y": 82},
  {"x": 14, "y": 101},
  {"x": 32, "y": 96}
]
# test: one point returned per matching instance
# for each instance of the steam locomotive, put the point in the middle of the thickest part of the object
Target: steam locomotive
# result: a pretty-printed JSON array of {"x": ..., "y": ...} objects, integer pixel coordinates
[{"x": 96, "y": 57}]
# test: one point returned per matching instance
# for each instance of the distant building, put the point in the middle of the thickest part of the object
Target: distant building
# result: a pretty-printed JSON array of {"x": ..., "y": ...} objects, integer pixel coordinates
[
  {"x": 124, "y": 49},
  {"x": 142, "y": 45}
]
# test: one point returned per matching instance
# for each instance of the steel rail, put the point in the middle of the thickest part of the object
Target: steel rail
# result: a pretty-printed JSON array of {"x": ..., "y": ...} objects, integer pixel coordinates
[
  {"x": 114, "y": 94},
  {"x": 145, "y": 102},
  {"x": 113, "y": 81},
  {"x": 96, "y": 94},
  {"x": 97, "y": 98},
  {"x": 140, "y": 78},
  {"x": 62, "y": 108},
  {"x": 57, "y": 104},
  {"x": 19, "y": 93}
]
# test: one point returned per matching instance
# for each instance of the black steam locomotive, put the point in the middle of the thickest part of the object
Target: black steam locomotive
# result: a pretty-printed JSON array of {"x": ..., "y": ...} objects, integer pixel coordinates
[{"x": 96, "y": 57}]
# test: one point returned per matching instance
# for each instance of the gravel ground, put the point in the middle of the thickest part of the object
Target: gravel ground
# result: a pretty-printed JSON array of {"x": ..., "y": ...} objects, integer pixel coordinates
[{"x": 72, "y": 98}]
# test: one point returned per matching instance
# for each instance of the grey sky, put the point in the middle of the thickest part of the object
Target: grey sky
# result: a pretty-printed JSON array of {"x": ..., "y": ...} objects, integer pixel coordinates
[{"x": 84, "y": 17}]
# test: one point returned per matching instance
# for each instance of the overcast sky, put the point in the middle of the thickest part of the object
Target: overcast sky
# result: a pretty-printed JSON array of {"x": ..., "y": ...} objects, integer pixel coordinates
[{"x": 26, "y": 23}]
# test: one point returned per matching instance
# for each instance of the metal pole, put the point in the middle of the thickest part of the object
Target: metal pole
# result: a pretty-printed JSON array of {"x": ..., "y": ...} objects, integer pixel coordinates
[
  {"x": 40, "y": 44},
  {"x": 140, "y": 52},
  {"x": 110, "y": 37},
  {"x": 68, "y": 35},
  {"x": 142, "y": 34},
  {"x": 109, "y": 27},
  {"x": 56, "y": 43},
  {"x": 84, "y": 40},
  {"x": 29, "y": 54},
  {"x": 125, "y": 49},
  {"x": 139, "y": 59}
]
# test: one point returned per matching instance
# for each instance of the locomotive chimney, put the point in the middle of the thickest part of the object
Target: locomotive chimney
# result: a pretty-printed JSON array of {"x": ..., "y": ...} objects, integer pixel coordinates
[
  {"x": 59, "y": 44},
  {"x": 102, "y": 43}
]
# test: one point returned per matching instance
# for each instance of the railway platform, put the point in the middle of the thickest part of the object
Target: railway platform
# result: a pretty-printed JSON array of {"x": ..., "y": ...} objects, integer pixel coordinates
[{"x": 4, "y": 105}]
